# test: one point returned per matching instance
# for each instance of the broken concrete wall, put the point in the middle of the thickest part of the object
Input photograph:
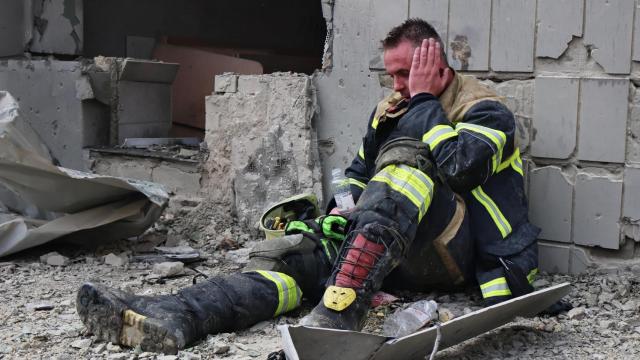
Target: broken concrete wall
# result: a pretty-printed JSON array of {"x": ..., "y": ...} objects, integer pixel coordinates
[
  {"x": 57, "y": 27},
  {"x": 262, "y": 147},
  {"x": 568, "y": 69},
  {"x": 59, "y": 106}
]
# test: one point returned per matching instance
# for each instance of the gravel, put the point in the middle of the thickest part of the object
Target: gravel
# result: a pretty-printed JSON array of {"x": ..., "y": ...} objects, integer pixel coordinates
[{"x": 605, "y": 323}]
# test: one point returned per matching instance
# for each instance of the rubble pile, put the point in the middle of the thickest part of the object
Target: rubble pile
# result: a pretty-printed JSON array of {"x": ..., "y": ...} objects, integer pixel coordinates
[{"x": 38, "y": 317}]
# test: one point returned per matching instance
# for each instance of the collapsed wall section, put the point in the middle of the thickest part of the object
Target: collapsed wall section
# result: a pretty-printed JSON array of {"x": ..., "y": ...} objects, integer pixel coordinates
[
  {"x": 262, "y": 147},
  {"x": 567, "y": 69}
]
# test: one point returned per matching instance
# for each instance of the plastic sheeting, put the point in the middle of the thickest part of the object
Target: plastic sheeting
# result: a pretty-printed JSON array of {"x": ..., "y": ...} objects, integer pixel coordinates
[{"x": 56, "y": 201}]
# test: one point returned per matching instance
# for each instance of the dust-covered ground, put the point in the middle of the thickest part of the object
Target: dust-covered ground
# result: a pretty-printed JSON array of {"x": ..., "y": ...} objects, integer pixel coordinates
[{"x": 38, "y": 319}]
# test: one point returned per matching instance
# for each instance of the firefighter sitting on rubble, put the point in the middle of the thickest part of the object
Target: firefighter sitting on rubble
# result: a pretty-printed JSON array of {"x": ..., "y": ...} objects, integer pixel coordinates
[{"x": 439, "y": 203}]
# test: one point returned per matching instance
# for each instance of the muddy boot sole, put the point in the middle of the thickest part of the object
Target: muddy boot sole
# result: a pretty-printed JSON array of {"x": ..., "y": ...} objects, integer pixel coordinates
[{"x": 110, "y": 319}]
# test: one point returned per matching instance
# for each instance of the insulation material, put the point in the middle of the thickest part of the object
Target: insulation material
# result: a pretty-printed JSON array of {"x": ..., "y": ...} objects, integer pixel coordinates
[{"x": 67, "y": 201}]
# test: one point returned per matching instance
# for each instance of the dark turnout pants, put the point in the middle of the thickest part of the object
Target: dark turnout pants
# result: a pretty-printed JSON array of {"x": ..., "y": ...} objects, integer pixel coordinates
[{"x": 439, "y": 252}]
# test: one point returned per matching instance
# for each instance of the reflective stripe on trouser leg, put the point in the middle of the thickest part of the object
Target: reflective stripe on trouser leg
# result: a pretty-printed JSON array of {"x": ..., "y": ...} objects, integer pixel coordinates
[
  {"x": 289, "y": 294},
  {"x": 415, "y": 186}
]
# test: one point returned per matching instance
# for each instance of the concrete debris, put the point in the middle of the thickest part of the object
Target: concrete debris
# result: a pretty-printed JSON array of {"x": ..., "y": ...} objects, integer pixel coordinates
[
  {"x": 54, "y": 259},
  {"x": 578, "y": 313},
  {"x": 115, "y": 260},
  {"x": 167, "y": 269},
  {"x": 81, "y": 344}
]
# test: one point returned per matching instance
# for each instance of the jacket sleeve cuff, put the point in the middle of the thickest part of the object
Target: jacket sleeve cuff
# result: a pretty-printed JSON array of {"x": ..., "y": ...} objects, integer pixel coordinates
[{"x": 420, "y": 98}]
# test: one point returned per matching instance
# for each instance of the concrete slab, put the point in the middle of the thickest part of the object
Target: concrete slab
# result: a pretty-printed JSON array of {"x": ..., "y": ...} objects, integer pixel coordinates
[
  {"x": 597, "y": 210},
  {"x": 603, "y": 119},
  {"x": 47, "y": 94},
  {"x": 608, "y": 28},
  {"x": 436, "y": 12},
  {"x": 555, "y": 117},
  {"x": 144, "y": 110},
  {"x": 58, "y": 27},
  {"x": 512, "y": 35},
  {"x": 148, "y": 71},
  {"x": 550, "y": 201},
  {"x": 553, "y": 257},
  {"x": 469, "y": 32},
  {"x": 558, "y": 22},
  {"x": 12, "y": 27},
  {"x": 631, "y": 203},
  {"x": 384, "y": 15}
]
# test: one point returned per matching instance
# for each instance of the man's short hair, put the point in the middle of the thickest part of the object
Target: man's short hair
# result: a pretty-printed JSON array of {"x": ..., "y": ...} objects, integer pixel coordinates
[{"x": 414, "y": 30}]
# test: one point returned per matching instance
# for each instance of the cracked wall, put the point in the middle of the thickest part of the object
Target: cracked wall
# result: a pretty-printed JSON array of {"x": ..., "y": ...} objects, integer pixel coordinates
[
  {"x": 262, "y": 147},
  {"x": 568, "y": 69}
]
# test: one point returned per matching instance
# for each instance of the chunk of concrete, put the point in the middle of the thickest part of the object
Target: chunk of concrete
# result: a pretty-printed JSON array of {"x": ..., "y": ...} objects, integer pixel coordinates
[
  {"x": 167, "y": 269},
  {"x": 555, "y": 117},
  {"x": 597, "y": 210},
  {"x": 558, "y": 22},
  {"x": 225, "y": 83},
  {"x": 148, "y": 71},
  {"x": 144, "y": 109},
  {"x": 435, "y": 12},
  {"x": 608, "y": 28},
  {"x": 550, "y": 201},
  {"x": 553, "y": 257},
  {"x": 54, "y": 259},
  {"x": 512, "y": 35},
  {"x": 385, "y": 14},
  {"x": 469, "y": 32},
  {"x": 58, "y": 27},
  {"x": 603, "y": 119},
  {"x": 13, "y": 26},
  {"x": 115, "y": 260}
]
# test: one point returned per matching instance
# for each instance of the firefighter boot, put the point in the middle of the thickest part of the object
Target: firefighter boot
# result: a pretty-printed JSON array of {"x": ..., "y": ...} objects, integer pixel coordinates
[
  {"x": 168, "y": 323},
  {"x": 366, "y": 259}
]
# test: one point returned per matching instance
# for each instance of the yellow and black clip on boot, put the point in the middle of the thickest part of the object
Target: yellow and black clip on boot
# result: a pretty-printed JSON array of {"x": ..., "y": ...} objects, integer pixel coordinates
[{"x": 365, "y": 260}]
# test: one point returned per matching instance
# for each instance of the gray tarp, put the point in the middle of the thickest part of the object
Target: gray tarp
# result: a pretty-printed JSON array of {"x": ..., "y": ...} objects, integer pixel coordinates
[{"x": 56, "y": 201}]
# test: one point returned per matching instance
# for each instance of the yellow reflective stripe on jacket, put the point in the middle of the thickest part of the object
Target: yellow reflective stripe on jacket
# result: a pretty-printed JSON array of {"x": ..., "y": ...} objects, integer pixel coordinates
[
  {"x": 412, "y": 183},
  {"x": 374, "y": 123},
  {"x": 438, "y": 134},
  {"x": 289, "y": 294},
  {"x": 501, "y": 222},
  {"x": 515, "y": 161},
  {"x": 361, "y": 151},
  {"x": 516, "y": 164},
  {"x": 498, "y": 137},
  {"x": 357, "y": 183},
  {"x": 532, "y": 275},
  {"x": 495, "y": 287}
]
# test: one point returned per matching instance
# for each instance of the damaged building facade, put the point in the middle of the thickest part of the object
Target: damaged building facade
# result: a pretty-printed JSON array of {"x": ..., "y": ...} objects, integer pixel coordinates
[{"x": 567, "y": 69}]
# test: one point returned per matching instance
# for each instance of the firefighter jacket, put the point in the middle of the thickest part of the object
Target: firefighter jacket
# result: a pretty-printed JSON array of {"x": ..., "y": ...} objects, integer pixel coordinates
[{"x": 471, "y": 134}]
